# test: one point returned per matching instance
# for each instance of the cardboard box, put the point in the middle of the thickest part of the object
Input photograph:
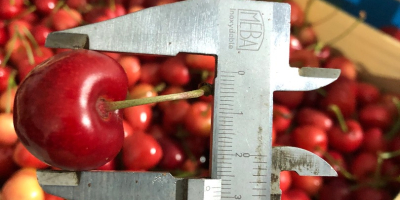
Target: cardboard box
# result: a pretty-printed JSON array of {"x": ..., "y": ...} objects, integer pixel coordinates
[{"x": 376, "y": 53}]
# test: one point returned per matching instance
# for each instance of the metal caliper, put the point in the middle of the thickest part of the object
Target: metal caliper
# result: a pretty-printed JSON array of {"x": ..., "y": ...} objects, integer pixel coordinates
[{"x": 250, "y": 40}]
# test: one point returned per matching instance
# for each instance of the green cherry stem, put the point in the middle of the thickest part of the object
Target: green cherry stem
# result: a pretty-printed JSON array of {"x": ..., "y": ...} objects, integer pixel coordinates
[
  {"x": 342, "y": 170},
  {"x": 10, "y": 85},
  {"x": 339, "y": 117},
  {"x": 205, "y": 89}
]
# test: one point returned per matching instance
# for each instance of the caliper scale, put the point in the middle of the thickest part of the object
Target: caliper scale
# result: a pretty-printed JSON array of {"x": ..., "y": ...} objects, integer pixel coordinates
[{"x": 250, "y": 41}]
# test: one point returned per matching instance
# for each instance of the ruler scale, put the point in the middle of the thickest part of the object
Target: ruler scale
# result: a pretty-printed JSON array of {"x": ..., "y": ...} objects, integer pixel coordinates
[{"x": 250, "y": 40}]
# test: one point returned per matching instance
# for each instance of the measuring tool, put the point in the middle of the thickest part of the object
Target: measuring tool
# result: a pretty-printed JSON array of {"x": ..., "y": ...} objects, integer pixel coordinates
[{"x": 250, "y": 40}]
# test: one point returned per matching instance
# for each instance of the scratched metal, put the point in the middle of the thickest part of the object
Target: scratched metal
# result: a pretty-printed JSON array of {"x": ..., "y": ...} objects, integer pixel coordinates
[
  {"x": 299, "y": 160},
  {"x": 250, "y": 40}
]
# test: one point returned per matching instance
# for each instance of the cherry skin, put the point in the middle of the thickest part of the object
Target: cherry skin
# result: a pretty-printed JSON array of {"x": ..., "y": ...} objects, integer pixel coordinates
[
  {"x": 139, "y": 117},
  {"x": 346, "y": 66},
  {"x": 201, "y": 62},
  {"x": 64, "y": 19},
  {"x": 7, "y": 165},
  {"x": 174, "y": 71},
  {"x": 373, "y": 140},
  {"x": 282, "y": 117},
  {"x": 346, "y": 141},
  {"x": 40, "y": 33},
  {"x": 290, "y": 99},
  {"x": 311, "y": 138},
  {"x": 310, "y": 116},
  {"x": 198, "y": 119},
  {"x": 367, "y": 93},
  {"x": 363, "y": 166},
  {"x": 174, "y": 115},
  {"x": 8, "y": 136},
  {"x": 304, "y": 58},
  {"x": 23, "y": 158},
  {"x": 296, "y": 14},
  {"x": 150, "y": 73},
  {"x": 285, "y": 180},
  {"x": 10, "y": 9},
  {"x": 294, "y": 44},
  {"x": 131, "y": 65},
  {"x": 141, "y": 152},
  {"x": 295, "y": 194},
  {"x": 337, "y": 189},
  {"x": 309, "y": 184},
  {"x": 45, "y": 6},
  {"x": 173, "y": 154},
  {"x": 71, "y": 129},
  {"x": 23, "y": 185},
  {"x": 375, "y": 115}
]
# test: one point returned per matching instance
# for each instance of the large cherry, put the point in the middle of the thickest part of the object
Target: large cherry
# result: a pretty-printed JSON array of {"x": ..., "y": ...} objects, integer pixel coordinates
[{"x": 60, "y": 110}]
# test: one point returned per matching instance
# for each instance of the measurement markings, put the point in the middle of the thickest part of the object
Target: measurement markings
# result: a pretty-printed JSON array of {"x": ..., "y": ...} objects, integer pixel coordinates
[
  {"x": 258, "y": 182},
  {"x": 227, "y": 133},
  {"x": 222, "y": 141},
  {"x": 259, "y": 174},
  {"x": 260, "y": 162},
  {"x": 225, "y": 100},
  {"x": 227, "y": 80},
  {"x": 226, "y": 117},
  {"x": 259, "y": 188},
  {"x": 228, "y": 92},
  {"x": 227, "y": 84},
  {"x": 225, "y": 121},
  {"x": 226, "y": 96},
  {"x": 225, "y": 137},
  {"x": 222, "y": 88},
  {"x": 226, "y": 108},
  {"x": 233, "y": 113},
  {"x": 227, "y": 76},
  {"x": 225, "y": 104},
  {"x": 259, "y": 195}
]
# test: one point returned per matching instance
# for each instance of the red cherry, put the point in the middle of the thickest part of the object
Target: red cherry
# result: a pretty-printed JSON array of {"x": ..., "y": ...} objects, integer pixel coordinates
[
  {"x": 141, "y": 152},
  {"x": 173, "y": 154},
  {"x": 341, "y": 93},
  {"x": 139, "y": 117},
  {"x": 367, "y": 93},
  {"x": 310, "y": 184},
  {"x": 8, "y": 136},
  {"x": 174, "y": 115},
  {"x": 111, "y": 165},
  {"x": 174, "y": 71},
  {"x": 142, "y": 90},
  {"x": 5, "y": 73},
  {"x": 10, "y": 9},
  {"x": 296, "y": 14},
  {"x": 76, "y": 4},
  {"x": 373, "y": 140},
  {"x": 310, "y": 116},
  {"x": 370, "y": 193},
  {"x": 336, "y": 189},
  {"x": 7, "y": 165},
  {"x": 363, "y": 166},
  {"x": 311, "y": 138},
  {"x": 3, "y": 34},
  {"x": 285, "y": 180},
  {"x": 375, "y": 115},
  {"x": 307, "y": 36},
  {"x": 24, "y": 158},
  {"x": 19, "y": 26},
  {"x": 51, "y": 197},
  {"x": 304, "y": 58},
  {"x": 70, "y": 129},
  {"x": 128, "y": 130},
  {"x": 294, "y": 44},
  {"x": 282, "y": 117},
  {"x": 295, "y": 194},
  {"x": 387, "y": 101},
  {"x": 40, "y": 33},
  {"x": 291, "y": 99},
  {"x": 45, "y": 6},
  {"x": 150, "y": 73},
  {"x": 346, "y": 141},
  {"x": 131, "y": 66},
  {"x": 202, "y": 62},
  {"x": 336, "y": 160},
  {"x": 198, "y": 119},
  {"x": 169, "y": 90},
  {"x": 346, "y": 66},
  {"x": 324, "y": 53},
  {"x": 198, "y": 146},
  {"x": 65, "y": 19}
]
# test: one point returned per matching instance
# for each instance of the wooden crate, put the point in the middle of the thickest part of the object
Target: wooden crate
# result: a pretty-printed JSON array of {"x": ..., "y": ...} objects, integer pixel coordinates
[{"x": 376, "y": 53}]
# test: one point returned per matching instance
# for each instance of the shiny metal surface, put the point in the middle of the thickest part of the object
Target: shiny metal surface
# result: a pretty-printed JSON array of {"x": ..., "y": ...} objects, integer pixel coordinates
[{"x": 250, "y": 40}]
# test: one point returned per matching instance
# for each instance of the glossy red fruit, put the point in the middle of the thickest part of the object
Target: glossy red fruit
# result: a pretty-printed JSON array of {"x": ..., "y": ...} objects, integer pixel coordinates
[
  {"x": 363, "y": 166},
  {"x": 285, "y": 180},
  {"x": 174, "y": 71},
  {"x": 128, "y": 130},
  {"x": 346, "y": 141},
  {"x": 23, "y": 158},
  {"x": 198, "y": 119},
  {"x": 294, "y": 44},
  {"x": 375, "y": 115},
  {"x": 142, "y": 90},
  {"x": 4, "y": 37},
  {"x": 282, "y": 117},
  {"x": 7, "y": 165},
  {"x": 310, "y": 184},
  {"x": 347, "y": 67},
  {"x": 311, "y": 138},
  {"x": 295, "y": 194},
  {"x": 22, "y": 185},
  {"x": 304, "y": 58},
  {"x": 65, "y": 19},
  {"x": 150, "y": 73},
  {"x": 169, "y": 90},
  {"x": 173, "y": 154},
  {"x": 201, "y": 62},
  {"x": 341, "y": 93},
  {"x": 336, "y": 160},
  {"x": 314, "y": 117},
  {"x": 336, "y": 189},
  {"x": 71, "y": 129},
  {"x": 131, "y": 65},
  {"x": 174, "y": 116},
  {"x": 111, "y": 165},
  {"x": 296, "y": 14},
  {"x": 76, "y": 4},
  {"x": 307, "y": 36},
  {"x": 48, "y": 196},
  {"x": 8, "y": 136},
  {"x": 5, "y": 73},
  {"x": 40, "y": 33},
  {"x": 45, "y": 6},
  {"x": 367, "y": 93},
  {"x": 10, "y": 9},
  {"x": 370, "y": 193},
  {"x": 139, "y": 117},
  {"x": 141, "y": 152},
  {"x": 373, "y": 140},
  {"x": 290, "y": 99}
]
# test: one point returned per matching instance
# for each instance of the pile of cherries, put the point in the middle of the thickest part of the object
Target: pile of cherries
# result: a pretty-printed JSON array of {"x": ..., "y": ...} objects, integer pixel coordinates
[{"x": 351, "y": 124}]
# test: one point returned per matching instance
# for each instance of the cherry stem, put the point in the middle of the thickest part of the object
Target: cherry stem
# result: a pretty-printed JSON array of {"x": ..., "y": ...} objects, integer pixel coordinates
[
  {"x": 205, "y": 89},
  {"x": 112, "y": 5},
  {"x": 7, "y": 57},
  {"x": 396, "y": 127},
  {"x": 30, "y": 9},
  {"x": 384, "y": 156},
  {"x": 307, "y": 10},
  {"x": 339, "y": 117},
  {"x": 28, "y": 48},
  {"x": 32, "y": 40},
  {"x": 362, "y": 17},
  {"x": 10, "y": 85},
  {"x": 160, "y": 87},
  {"x": 342, "y": 170}
]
